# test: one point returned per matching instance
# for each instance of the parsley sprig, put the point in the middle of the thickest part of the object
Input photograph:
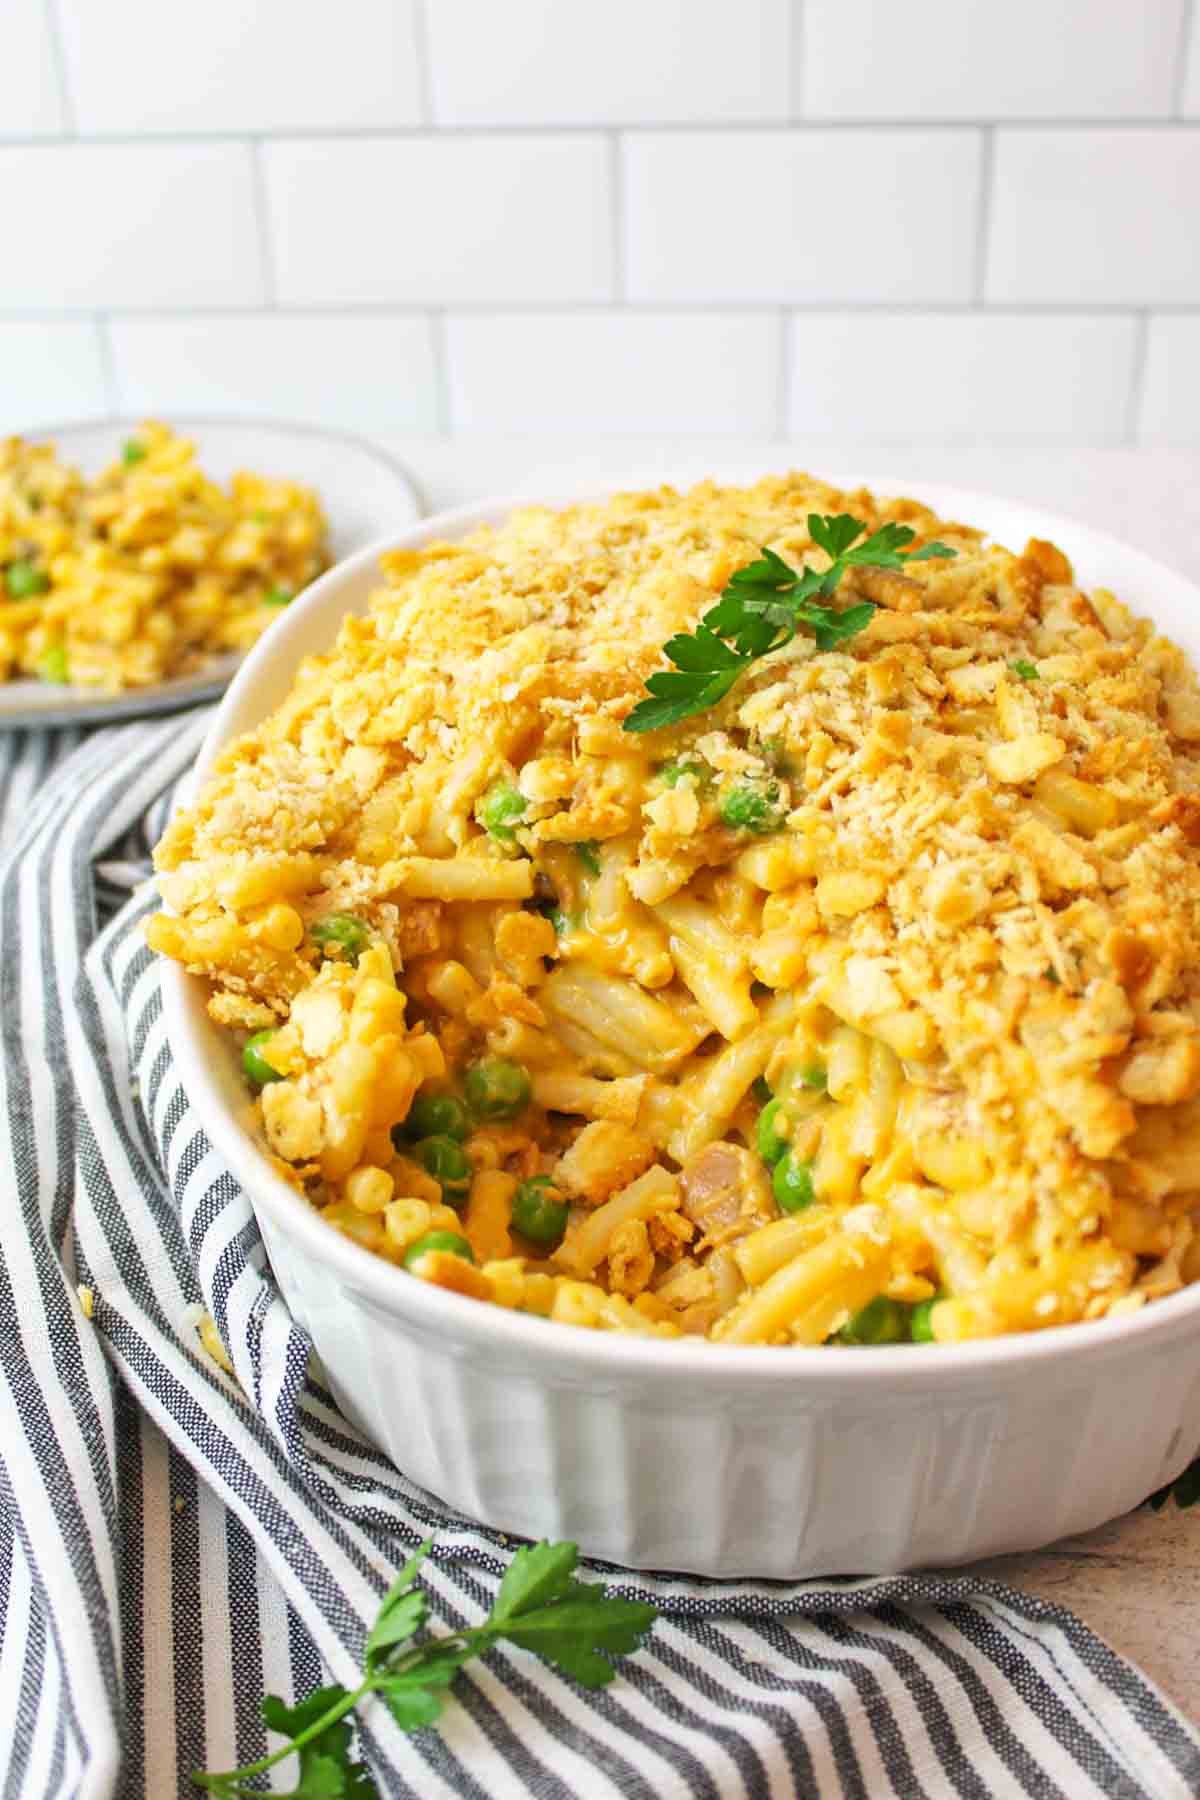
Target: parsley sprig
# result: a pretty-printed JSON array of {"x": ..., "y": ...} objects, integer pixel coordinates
[
  {"x": 571, "y": 1624},
  {"x": 763, "y": 607}
]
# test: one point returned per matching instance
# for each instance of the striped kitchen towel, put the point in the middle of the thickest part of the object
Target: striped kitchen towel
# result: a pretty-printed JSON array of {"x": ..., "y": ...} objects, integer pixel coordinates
[{"x": 174, "y": 1542}]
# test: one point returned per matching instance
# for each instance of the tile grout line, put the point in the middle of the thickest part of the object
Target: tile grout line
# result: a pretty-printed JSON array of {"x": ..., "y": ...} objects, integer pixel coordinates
[
  {"x": 262, "y": 220},
  {"x": 1162, "y": 126},
  {"x": 785, "y": 356},
  {"x": 616, "y": 207},
  {"x": 1187, "y": 29},
  {"x": 58, "y": 55},
  {"x": 534, "y": 308},
  {"x": 795, "y": 50},
  {"x": 440, "y": 353},
  {"x": 983, "y": 233},
  {"x": 420, "y": 21},
  {"x": 1137, "y": 377}
]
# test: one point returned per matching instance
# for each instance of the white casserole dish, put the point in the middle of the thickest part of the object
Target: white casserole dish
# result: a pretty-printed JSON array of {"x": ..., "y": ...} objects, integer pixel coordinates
[{"x": 715, "y": 1459}]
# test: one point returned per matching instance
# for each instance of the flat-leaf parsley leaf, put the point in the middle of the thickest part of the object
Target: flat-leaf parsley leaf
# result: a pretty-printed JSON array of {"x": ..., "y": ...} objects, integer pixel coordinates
[
  {"x": 571, "y": 1624},
  {"x": 763, "y": 606}
]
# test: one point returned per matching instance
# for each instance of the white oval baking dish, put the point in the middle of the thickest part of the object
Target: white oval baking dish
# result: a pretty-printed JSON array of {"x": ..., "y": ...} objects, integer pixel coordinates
[{"x": 692, "y": 1456}]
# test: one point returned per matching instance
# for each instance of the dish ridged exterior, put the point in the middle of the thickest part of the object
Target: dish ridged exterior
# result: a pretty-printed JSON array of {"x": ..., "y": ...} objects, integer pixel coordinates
[
  {"x": 662, "y": 1474},
  {"x": 696, "y": 1457}
]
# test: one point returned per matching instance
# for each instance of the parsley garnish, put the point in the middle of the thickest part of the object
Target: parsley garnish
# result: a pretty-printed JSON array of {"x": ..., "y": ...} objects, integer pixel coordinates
[
  {"x": 574, "y": 1625},
  {"x": 1025, "y": 669},
  {"x": 763, "y": 607}
]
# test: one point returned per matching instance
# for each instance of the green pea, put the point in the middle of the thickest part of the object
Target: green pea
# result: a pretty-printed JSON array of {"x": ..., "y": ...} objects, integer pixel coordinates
[
  {"x": 792, "y": 1183},
  {"x": 881, "y": 1321},
  {"x": 278, "y": 596},
  {"x": 672, "y": 773},
  {"x": 920, "y": 1326},
  {"x": 502, "y": 807},
  {"x": 562, "y": 920},
  {"x": 588, "y": 852},
  {"x": 24, "y": 580},
  {"x": 496, "y": 1088},
  {"x": 769, "y": 1144},
  {"x": 437, "y": 1115},
  {"x": 133, "y": 451},
  {"x": 438, "y": 1240},
  {"x": 53, "y": 666},
  {"x": 343, "y": 935},
  {"x": 258, "y": 1069},
  {"x": 448, "y": 1163},
  {"x": 536, "y": 1213},
  {"x": 745, "y": 806},
  {"x": 801, "y": 1083}
]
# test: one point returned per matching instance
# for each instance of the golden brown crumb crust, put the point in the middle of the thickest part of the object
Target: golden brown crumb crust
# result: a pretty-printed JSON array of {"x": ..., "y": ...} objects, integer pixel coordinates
[{"x": 992, "y": 803}]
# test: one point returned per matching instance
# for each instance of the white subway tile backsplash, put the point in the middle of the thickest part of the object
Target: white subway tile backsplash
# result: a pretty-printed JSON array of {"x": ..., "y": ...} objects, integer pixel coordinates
[
  {"x": 514, "y": 215},
  {"x": 30, "y": 102},
  {"x": 135, "y": 225},
  {"x": 530, "y": 62},
  {"x": 1086, "y": 216},
  {"x": 1170, "y": 410},
  {"x": 1191, "y": 73},
  {"x": 614, "y": 371},
  {"x": 960, "y": 377},
  {"x": 979, "y": 59},
  {"x": 50, "y": 372},
  {"x": 876, "y": 216},
  {"x": 371, "y": 373},
  {"x": 228, "y": 66},
  {"x": 462, "y": 219}
]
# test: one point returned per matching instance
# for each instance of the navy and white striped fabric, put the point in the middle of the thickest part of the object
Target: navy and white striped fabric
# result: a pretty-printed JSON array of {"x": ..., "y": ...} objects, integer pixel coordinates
[{"x": 174, "y": 1543}]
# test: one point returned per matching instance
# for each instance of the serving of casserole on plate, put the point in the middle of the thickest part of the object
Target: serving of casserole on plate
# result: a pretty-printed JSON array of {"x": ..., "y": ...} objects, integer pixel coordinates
[
  {"x": 139, "y": 561},
  {"x": 855, "y": 1002},
  {"x": 149, "y": 569}
]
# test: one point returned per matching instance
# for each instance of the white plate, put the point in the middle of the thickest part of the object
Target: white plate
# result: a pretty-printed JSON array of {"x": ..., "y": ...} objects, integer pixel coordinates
[{"x": 364, "y": 493}]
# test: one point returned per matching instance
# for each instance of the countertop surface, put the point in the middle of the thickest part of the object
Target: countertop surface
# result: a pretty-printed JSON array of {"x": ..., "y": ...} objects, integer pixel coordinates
[
  {"x": 1150, "y": 497},
  {"x": 1136, "y": 1581}
]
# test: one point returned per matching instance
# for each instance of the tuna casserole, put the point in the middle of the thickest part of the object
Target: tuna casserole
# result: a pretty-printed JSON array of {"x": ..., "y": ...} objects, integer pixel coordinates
[
  {"x": 862, "y": 1006},
  {"x": 147, "y": 571}
]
